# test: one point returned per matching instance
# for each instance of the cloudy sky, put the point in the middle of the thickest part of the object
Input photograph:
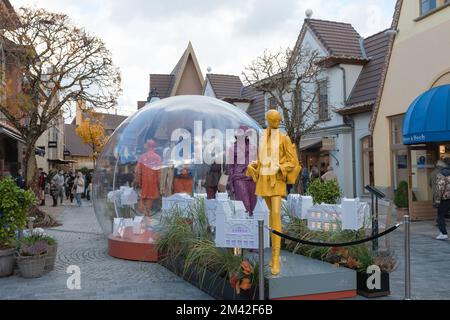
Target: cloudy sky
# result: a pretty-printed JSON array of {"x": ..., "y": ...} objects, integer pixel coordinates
[{"x": 149, "y": 36}]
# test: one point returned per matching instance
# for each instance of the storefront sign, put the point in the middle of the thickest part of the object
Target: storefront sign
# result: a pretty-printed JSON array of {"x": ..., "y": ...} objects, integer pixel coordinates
[{"x": 328, "y": 144}]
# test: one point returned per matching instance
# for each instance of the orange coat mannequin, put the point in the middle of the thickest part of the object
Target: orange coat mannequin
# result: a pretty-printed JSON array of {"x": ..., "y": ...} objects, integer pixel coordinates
[{"x": 148, "y": 175}]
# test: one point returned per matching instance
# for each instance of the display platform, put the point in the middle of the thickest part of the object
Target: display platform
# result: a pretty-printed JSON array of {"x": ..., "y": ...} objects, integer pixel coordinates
[
  {"x": 134, "y": 247},
  {"x": 302, "y": 278}
]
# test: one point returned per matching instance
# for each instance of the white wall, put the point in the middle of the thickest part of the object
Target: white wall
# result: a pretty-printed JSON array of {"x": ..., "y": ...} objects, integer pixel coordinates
[
  {"x": 361, "y": 131},
  {"x": 209, "y": 92}
]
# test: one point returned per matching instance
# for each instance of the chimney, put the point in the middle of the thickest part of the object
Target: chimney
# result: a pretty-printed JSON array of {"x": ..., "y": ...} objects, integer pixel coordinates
[{"x": 79, "y": 113}]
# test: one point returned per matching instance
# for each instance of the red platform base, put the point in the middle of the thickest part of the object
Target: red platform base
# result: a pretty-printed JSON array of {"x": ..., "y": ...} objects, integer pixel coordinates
[{"x": 134, "y": 247}]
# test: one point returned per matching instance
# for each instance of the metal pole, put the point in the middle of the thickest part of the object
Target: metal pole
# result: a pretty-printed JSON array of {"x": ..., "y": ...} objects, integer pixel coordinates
[
  {"x": 261, "y": 259},
  {"x": 373, "y": 221},
  {"x": 376, "y": 228},
  {"x": 407, "y": 257}
]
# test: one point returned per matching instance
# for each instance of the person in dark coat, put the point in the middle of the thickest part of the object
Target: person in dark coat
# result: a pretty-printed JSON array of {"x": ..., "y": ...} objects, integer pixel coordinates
[
  {"x": 54, "y": 192},
  {"x": 20, "y": 181},
  {"x": 212, "y": 180}
]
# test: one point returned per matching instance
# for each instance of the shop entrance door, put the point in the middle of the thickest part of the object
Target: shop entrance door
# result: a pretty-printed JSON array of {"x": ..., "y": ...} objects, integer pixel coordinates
[{"x": 422, "y": 162}]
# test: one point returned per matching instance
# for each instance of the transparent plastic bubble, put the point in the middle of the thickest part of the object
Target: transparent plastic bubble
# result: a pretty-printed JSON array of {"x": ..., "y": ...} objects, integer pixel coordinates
[{"x": 165, "y": 152}]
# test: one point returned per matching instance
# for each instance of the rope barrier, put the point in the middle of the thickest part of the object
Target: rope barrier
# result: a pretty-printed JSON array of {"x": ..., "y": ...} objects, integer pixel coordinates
[{"x": 335, "y": 245}]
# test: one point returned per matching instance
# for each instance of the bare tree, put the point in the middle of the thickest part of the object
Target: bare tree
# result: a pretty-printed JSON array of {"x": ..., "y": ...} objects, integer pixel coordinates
[
  {"x": 290, "y": 79},
  {"x": 59, "y": 64}
]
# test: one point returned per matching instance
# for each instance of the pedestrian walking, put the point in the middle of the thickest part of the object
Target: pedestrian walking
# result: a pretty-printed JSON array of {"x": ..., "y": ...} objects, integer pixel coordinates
[
  {"x": 54, "y": 192},
  {"x": 87, "y": 182},
  {"x": 433, "y": 179},
  {"x": 443, "y": 198},
  {"x": 79, "y": 187},
  {"x": 42, "y": 181},
  {"x": 70, "y": 180},
  {"x": 59, "y": 180}
]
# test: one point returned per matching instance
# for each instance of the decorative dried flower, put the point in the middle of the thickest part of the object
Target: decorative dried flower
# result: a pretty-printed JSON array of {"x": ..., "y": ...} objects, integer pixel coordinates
[{"x": 246, "y": 284}]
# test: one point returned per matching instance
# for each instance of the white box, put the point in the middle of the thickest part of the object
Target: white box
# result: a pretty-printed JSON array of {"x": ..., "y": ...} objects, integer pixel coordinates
[
  {"x": 233, "y": 232},
  {"x": 180, "y": 200},
  {"x": 299, "y": 205}
]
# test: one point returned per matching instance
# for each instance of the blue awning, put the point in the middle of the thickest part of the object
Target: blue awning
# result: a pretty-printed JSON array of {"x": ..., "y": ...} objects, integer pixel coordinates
[{"x": 428, "y": 117}]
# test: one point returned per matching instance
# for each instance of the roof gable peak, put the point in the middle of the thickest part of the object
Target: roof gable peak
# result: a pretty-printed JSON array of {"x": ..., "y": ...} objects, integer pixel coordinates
[{"x": 178, "y": 71}]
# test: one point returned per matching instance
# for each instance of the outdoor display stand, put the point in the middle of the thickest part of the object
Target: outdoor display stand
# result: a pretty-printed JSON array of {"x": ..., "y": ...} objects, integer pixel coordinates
[{"x": 138, "y": 173}]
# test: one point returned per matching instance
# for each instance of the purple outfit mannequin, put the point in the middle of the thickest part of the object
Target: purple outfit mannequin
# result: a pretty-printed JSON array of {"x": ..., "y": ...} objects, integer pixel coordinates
[{"x": 242, "y": 187}]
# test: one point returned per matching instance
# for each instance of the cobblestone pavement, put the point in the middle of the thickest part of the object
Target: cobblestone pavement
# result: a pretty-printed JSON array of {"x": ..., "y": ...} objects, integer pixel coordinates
[
  {"x": 82, "y": 243},
  {"x": 430, "y": 264}
]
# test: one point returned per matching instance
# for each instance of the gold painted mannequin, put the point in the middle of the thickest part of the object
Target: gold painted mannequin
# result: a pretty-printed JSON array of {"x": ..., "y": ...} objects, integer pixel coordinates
[{"x": 276, "y": 167}]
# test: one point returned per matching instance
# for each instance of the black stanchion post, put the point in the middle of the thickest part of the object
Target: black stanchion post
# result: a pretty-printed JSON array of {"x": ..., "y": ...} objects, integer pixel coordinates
[
  {"x": 376, "y": 227},
  {"x": 261, "y": 259},
  {"x": 407, "y": 257}
]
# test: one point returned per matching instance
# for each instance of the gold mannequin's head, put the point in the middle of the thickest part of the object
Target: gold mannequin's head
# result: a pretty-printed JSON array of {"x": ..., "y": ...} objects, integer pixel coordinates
[{"x": 274, "y": 119}]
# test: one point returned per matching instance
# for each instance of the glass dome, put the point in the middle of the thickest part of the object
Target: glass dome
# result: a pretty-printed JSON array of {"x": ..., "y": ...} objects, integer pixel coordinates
[{"x": 166, "y": 150}]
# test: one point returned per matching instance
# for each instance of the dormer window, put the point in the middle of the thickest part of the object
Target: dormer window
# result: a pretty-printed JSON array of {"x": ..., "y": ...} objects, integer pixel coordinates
[
  {"x": 426, "y": 6},
  {"x": 429, "y": 7}
]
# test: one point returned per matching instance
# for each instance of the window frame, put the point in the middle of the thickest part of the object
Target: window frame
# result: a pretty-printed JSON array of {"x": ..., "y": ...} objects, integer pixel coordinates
[
  {"x": 319, "y": 101},
  {"x": 440, "y": 5},
  {"x": 421, "y": 4}
]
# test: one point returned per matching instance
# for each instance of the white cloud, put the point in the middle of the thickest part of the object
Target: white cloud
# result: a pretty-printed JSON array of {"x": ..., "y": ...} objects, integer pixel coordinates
[{"x": 150, "y": 36}]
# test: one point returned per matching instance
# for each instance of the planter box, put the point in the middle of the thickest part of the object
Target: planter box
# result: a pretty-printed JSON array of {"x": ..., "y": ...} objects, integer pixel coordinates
[
  {"x": 7, "y": 262},
  {"x": 32, "y": 267},
  {"x": 51, "y": 257},
  {"x": 216, "y": 286},
  {"x": 366, "y": 292}
]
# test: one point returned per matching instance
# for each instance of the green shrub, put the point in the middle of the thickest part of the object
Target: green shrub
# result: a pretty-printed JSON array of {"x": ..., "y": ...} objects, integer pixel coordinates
[
  {"x": 327, "y": 192},
  {"x": 14, "y": 206},
  {"x": 401, "y": 199}
]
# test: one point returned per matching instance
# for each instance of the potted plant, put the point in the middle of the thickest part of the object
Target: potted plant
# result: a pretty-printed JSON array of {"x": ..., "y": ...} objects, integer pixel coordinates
[
  {"x": 52, "y": 248},
  {"x": 32, "y": 257},
  {"x": 14, "y": 205},
  {"x": 327, "y": 192},
  {"x": 401, "y": 200},
  {"x": 366, "y": 279}
]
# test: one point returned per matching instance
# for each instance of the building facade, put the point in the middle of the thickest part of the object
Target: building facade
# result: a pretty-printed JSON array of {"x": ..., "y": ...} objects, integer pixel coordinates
[
  {"x": 419, "y": 61},
  {"x": 347, "y": 91},
  {"x": 76, "y": 151},
  {"x": 185, "y": 79}
]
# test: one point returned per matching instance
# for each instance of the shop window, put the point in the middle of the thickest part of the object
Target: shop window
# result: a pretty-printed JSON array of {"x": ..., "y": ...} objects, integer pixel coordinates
[
  {"x": 368, "y": 161},
  {"x": 322, "y": 88},
  {"x": 397, "y": 130},
  {"x": 399, "y": 152}
]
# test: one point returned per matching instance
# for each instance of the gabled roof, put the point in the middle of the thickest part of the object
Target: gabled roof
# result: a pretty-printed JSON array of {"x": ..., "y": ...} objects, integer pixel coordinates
[
  {"x": 366, "y": 89},
  {"x": 163, "y": 84},
  {"x": 109, "y": 121},
  {"x": 225, "y": 86},
  {"x": 8, "y": 16},
  {"x": 339, "y": 39},
  {"x": 394, "y": 26},
  {"x": 257, "y": 108},
  {"x": 74, "y": 144},
  {"x": 179, "y": 68},
  {"x": 167, "y": 85}
]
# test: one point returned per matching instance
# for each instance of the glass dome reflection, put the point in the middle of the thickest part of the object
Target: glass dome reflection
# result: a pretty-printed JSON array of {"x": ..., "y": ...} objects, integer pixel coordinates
[{"x": 166, "y": 149}]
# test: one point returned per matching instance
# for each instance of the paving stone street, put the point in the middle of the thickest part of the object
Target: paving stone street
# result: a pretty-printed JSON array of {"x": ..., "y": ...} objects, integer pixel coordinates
[{"x": 82, "y": 243}]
